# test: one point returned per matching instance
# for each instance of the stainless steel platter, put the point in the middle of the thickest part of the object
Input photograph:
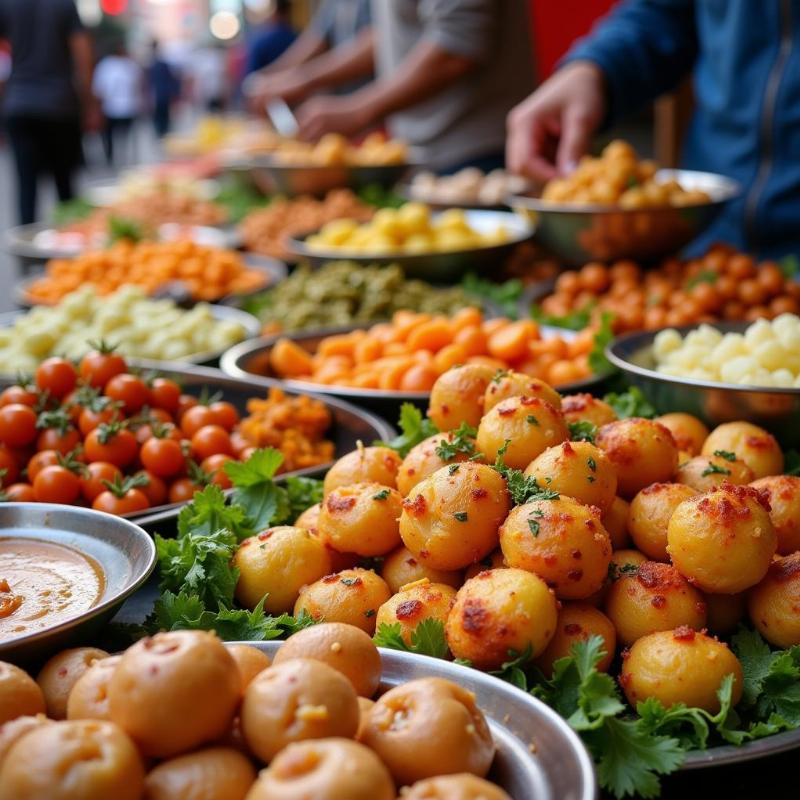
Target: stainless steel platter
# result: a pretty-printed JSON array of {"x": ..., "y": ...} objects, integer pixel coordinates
[
  {"x": 578, "y": 234},
  {"x": 125, "y": 552}
]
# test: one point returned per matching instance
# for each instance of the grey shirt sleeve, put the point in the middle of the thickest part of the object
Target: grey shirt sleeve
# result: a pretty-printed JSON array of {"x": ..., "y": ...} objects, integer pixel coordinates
[{"x": 462, "y": 27}]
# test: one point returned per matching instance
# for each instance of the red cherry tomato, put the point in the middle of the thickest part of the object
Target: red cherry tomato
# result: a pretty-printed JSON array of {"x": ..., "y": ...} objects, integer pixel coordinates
[
  {"x": 131, "y": 391},
  {"x": 111, "y": 443},
  {"x": 98, "y": 367},
  {"x": 215, "y": 466},
  {"x": 56, "y": 376},
  {"x": 183, "y": 490},
  {"x": 165, "y": 430},
  {"x": 40, "y": 460},
  {"x": 92, "y": 480},
  {"x": 17, "y": 425},
  {"x": 90, "y": 419},
  {"x": 211, "y": 440},
  {"x": 155, "y": 489},
  {"x": 20, "y": 493},
  {"x": 57, "y": 439},
  {"x": 8, "y": 463},
  {"x": 163, "y": 457},
  {"x": 239, "y": 443},
  {"x": 166, "y": 394},
  {"x": 195, "y": 418},
  {"x": 185, "y": 402},
  {"x": 225, "y": 414},
  {"x": 18, "y": 394},
  {"x": 133, "y": 500},
  {"x": 56, "y": 484}
]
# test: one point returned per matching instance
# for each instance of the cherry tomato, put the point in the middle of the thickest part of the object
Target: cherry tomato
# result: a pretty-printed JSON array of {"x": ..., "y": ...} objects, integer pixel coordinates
[
  {"x": 56, "y": 484},
  {"x": 57, "y": 376},
  {"x": 166, "y": 394},
  {"x": 40, "y": 460},
  {"x": 211, "y": 440},
  {"x": 195, "y": 418},
  {"x": 165, "y": 430},
  {"x": 214, "y": 466},
  {"x": 225, "y": 414},
  {"x": 163, "y": 457},
  {"x": 17, "y": 425},
  {"x": 182, "y": 490},
  {"x": 92, "y": 480},
  {"x": 20, "y": 493},
  {"x": 131, "y": 391},
  {"x": 155, "y": 489},
  {"x": 72, "y": 406},
  {"x": 132, "y": 500},
  {"x": 239, "y": 443},
  {"x": 64, "y": 440},
  {"x": 98, "y": 367},
  {"x": 111, "y": 443},
  {"x": 8, "y": 463},
  {"x": 18, "y": 394},
  {"x": 90, "y": 419},
  {"x": 185, "y": 402}
]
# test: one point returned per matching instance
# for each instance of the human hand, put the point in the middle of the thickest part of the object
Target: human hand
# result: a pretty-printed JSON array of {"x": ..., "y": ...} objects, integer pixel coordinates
[
  {"x": 550, "y": 130},
  {"x": 287, "y": 85},
  {"x": 347, "y": 115}
]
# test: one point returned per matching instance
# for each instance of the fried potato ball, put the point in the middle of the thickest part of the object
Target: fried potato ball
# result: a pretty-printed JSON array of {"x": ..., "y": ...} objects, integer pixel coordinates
[
  {"x": 86, "y": 759},
  {"x": 560, "y": 540},
  {"x": 89, "y": 696},
  {"x": 773, "y": 604},
  {"x": 366, "y": 464},
  {"x": 20, "y": 695},
  {"x": 13, "y": 730},
  {"x": 401, "y": 567},
  {"x": 361, "y": 518},
  {"x": 214, "y": 773},
  {"x": 641, "y": 450},
  {"x": 680, "y": 666},
  {"x": 277, "y": 563},
  {"x": 451, "y": 519},
  {"x": 522, "y": 428},
  {"x": 364, "y": 705},
  {"x": 500, "y": 610},
  {"x": 783, "y": 494},
  {"x": 423, "y": 460},
  {"x": 615, "y": 521},
  {"x": 579, "y": 470},
  {"x": 655, "y": 598},
  {"x": 457, "y": 396},
  {"x": 494, "y": 560},
  {"x": 455, "y": 787},
  {"x": 704, "y": 473},
  {"x": 517, "y": 384},
  {"x": 414, "y": 603},
  {"x": 576, "y": 623},
  {"x": 297, "y": 699},
  {"x": 753, "y": 445},
  {"x": 324, "y": 769},
  {"x": 154, "y": 691},
  {"x": 649, "y": 516},
  {"x": 352, "y": 596},
  {"x": 724, "y": 612},
  {"x": 429, "y": 727},
  {"x": 722, "y": 541},
  {"x": 623, "y": 562},
  {"x": 250, "y": 661},
  {"x": 688, "y": 432},
  {"x": 59, "y": 674},
  {"x": 309, "y": 519},
  {"x": 344, "y": 647},
  {"x": 587, "y": 408}
]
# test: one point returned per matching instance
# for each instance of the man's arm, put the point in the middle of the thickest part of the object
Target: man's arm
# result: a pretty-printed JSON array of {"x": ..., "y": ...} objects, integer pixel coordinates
[
  {"x": 80, "y": 44},
  {"x": 307, "y": 46}
]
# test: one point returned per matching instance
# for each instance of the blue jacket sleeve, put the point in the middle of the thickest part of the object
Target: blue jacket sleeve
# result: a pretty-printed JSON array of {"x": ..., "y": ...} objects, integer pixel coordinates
[{"x": 644, "y": 47}]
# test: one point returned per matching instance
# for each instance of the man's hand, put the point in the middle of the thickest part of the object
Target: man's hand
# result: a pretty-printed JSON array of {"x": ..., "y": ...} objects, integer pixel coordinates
[
  {"x": 550, "y": 130},
  {"x": 347, "y": 115},
  {"x": 289, "y": 85}
]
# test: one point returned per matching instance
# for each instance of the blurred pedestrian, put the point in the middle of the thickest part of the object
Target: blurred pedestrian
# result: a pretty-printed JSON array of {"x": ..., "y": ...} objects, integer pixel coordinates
[
  {"x": 271, "y": 39},
  {"x": 165, "y": 89},
  {"x": 209, "y": 77}
]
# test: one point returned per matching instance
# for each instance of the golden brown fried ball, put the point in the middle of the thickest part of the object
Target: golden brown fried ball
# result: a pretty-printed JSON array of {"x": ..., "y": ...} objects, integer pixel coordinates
[
  {"x": 250, "y": 661},
  {"x": 494, "y": 560},
  {"x": 783, "y": 494},
  {"x": 59, "y": 674},
  {"x": 650, "y": 513},
  {"x": 457, "y": 396},
  {"x": 688, "y": 432},
  {"x": 13, "y": 730},
  {"x": 20, "y": 695},
  {"x": 753, "y": 445},
  {"x": 773, "y": 604},
  {"x": 89, "y": 696},
  {"x": 401, "y": 567},
  {"x": 309, "y": 519},
  {"x": 462, "y": 786},
  {"x": 423, "y": 460},
  {"x": 704, "y": 473},
  {"x": 415, "y": 603},
  {"x": 366, "y": 464},
  {"x": 615, "y": 521},
  {"x": 517, "y": 384},
  {"x": 587, "y": 408}
]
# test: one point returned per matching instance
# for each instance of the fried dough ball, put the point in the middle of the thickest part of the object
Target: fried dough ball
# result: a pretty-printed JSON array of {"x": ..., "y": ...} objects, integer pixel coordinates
[
  {"x": 704, "y": 473},
  {"x": 623, "y": 562},
  {"x": 688, "y": 432},
  {"x": 649, "y": 516},
  {"x": 300, "y": 698},
  {"x": 20, "y": 695},
  {"x": 89, "y": 696},
  {"x": 366, "y": 464},
  {"x": 324, "y": 769},
  {"x": 724, "y": 612},
  {"x": 457, "y": 396},
  {"x": 352, "y": 596},
  {"x": 615, "y": 521},
  {"x": 753, "y": 445},
  {"x": 494, "y": 560},
  {"x": 655, "y": 598},
  {"x": 277, "y": 563},
  {"x": 455, "y": 787},
  {"x": 560, "y": 540},
  {"x": 174, "y": 691},
  {"x": 250, "y": 661},
  {"x": 59, "y": 674},
  {"x": 401, "y": 567},
  {"x": 423, "y": 460},
  {"x": 641, "y": 450},
  {"x": 13, "y": 730},
  {"x": 215, "y": 773},
  {"x": 773, "y": 604},
  {"x": 361, "y": 518},
  {"x": 86, "y": 759},
  {"x": 500, "y": 610},
  {"x": 309, "y": 519},
  {"x": 722, "y": 541},
  {"x": 414, "y": 603},
  {"x": 579, "y": 470},
  {"x": 587, "y": 408},
  {"x": 521, "y": 427},
  {"x": 783, "y": 494},
  {"x": 516, "y": 384},
  {"x": 450, "y": 519},
  {"x": 344, "y": 647},
  {"x": 364, "y": 705},
  {"x": 576, "y": 623},
  {"x": 680, "y": 666},
  {"x": 429, "y": 727}
]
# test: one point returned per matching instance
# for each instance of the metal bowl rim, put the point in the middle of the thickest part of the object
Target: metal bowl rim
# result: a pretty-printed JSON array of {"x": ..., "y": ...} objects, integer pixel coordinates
[{"x": 270, "y": 161}]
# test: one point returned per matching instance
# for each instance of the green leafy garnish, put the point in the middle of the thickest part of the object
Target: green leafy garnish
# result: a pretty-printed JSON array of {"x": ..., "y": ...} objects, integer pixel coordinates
[
  {"x": 263, "y": 502},
  {"x": 427, "y": 639},
  {"x": 704, "y": 276},
  {"x": 458, "y": 442},
  {"x": 414, "y": 429},
  {"x": 505, "y": 296},
  {"x": 726, "y": 454},
  {"x": 715, "y": 469},
  {"x": 582, "y": 431},
  {"x": 120, "y": 229},
  {"x": 208, "y": 513},
  {"x": 303, "y": 493},
  {"x": 574, "y": 321},
  {"x": 513, "y": 671},
  {"x": 598, "y": 362},
  {"x": 631, "y": 403},
  {"x": 790, "y": 265},
  {"x": 68, "y": 211},
  {"x": 522, "y": 488},
  {"x": 381, "y": 495},
  {"x": 461, "y": 516}
]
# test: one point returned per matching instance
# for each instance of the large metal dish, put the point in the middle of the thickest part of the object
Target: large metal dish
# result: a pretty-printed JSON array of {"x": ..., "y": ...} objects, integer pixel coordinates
[
  {"x": 577, "y": 234},
  {"x": 435, "y": 267},
  {"x": 124, "y": 551},
  {"x": 777, "y": 410}
]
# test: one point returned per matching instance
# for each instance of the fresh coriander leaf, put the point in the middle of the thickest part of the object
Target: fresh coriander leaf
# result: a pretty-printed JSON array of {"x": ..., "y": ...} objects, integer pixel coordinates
[
  {"x": 582, "y": 431},
  {"x": 462, "y": 662},
  {"x": 263, "y": 502},
  {"x": 390, "y": 636},
  {"x": 208, "y": 513},
  {"x": 522, "y": 488},
  {"x": 381, "y": 495},
  {"x": 452, "y": 469},
  {"x": 715, "y": 469},
  {"x": 458, "y": 442},
  {"x": 631, "y": 403},
  {"x": 259, "y": 468},
  {"x": 505, "y": 295},
  {"x": 598, "y": 362},
  {"x": 531, "y": 420},
  {"x": 592, "y": 464},
  {"x": 428, "y": 639},
  {"x": 574, "y": 321},
  {"x": 513, "y": 670},
  {"x": 756, "y": 658},
  {"x": 726, "y": 454},
  {"x": 461, "y": 516},
  {"x": 181, "y": 611},
  {"x": 302, "y": 493},
  {"x": 414, "y": 429},
  {"x": 533, "y": 521},
  {"x": 500, "y": 374}
]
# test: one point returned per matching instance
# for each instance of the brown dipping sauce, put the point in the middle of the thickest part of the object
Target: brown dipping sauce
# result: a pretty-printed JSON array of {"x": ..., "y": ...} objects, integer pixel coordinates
[{"x": 43, "y": 584}]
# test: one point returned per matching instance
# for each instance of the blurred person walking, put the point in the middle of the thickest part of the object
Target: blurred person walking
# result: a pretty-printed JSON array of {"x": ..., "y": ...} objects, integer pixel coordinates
[
  {"x": 165, "y": 89},
  {"x": 271, "y": 39},
  {"x": 48, "y": 90}
]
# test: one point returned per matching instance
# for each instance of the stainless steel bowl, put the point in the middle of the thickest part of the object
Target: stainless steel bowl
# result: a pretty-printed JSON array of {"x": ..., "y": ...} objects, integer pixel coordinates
[
  {"x": 125, "y": 552},
  {"x": 577, "y": 234},
  {"x": 436, "y": 267},
  {"x": 777, "y": 410}
]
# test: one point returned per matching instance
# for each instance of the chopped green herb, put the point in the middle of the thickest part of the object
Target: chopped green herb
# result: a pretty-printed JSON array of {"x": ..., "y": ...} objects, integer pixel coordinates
[
  {"x": 414, "y": 429},
  {"x": 381, "y": 495},
  {"x": 592, "y": 464},
  {"x": 370, "y": 612},
  {"x": 715, "y": 469},
  {"x": 631, "y": 403},
  {"x": 726, "y": 454},
  {"x": 461, "y": 516},
  {"x": 534, "y": 526},
  {"x": 591, "y": 478},
  {"x": 582, "y": 431},
  {"x": 532, "y": 420},
  {"x": 453, "y": 468},
  {"x": 349, "y": 581},
  {"x": 500, "y": 374},
  {"x": 458, "y": 442},
  {"x": 598, "y": 362}
]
